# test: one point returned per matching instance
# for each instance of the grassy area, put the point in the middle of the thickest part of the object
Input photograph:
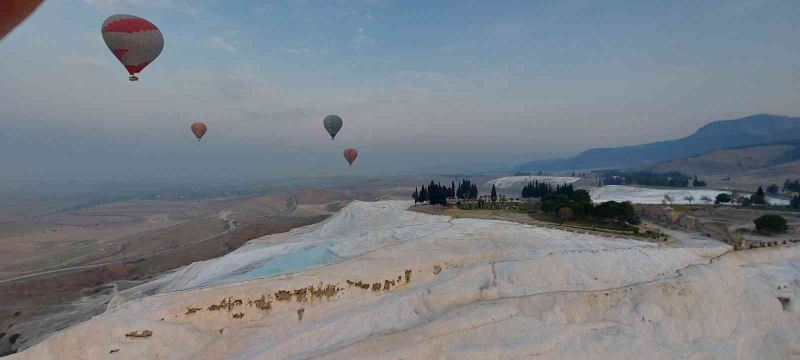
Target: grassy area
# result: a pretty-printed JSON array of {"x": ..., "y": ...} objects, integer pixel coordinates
[
  {"x": 778, "y": 208},
  {"x": 535, "y": 211},
  {"x": 532, "y": 213},
  {"x": 488, "y": 205}
]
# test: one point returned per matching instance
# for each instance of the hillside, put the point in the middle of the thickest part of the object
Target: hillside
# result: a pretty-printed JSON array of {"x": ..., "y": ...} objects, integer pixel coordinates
[
  {"x": 729, "y": 161},
  {"x": 726, "y": 134},
  {"x": 744, "y": 168},
  {"x": 391, "y": 283},
  {"x": 512, "y": 185}
]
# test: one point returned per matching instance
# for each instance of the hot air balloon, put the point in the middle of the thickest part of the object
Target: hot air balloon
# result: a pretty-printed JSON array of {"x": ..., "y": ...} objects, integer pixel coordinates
[
  {"x": 199, "y": 129},
  {"x": 136, "y": 42},
  {"x": 12, "y": 12},
  {"x": 332, "y": 124},
  {"x": 350, "y": 155}
]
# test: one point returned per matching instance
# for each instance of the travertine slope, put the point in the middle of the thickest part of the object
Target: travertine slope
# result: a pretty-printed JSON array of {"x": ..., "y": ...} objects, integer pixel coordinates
[{"x": 397, "y": 284}]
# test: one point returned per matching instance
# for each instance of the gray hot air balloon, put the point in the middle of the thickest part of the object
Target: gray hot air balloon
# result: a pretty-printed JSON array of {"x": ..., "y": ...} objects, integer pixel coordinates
[{"x": 332, "y": 124}]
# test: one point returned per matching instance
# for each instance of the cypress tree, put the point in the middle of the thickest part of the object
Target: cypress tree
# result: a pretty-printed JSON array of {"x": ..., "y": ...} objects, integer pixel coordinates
[{"x": 758, "y": 197}]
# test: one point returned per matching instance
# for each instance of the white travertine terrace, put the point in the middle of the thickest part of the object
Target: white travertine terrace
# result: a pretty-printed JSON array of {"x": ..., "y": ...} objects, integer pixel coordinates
[{"x": 388, "y": 283}]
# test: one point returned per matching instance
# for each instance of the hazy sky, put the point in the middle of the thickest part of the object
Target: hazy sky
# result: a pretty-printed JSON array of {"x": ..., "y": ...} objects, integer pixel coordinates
[{"x": 421, "y": 85}]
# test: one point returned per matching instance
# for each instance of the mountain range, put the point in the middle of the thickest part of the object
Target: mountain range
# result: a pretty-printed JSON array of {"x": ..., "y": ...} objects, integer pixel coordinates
[{"x": 724, "y": 134}]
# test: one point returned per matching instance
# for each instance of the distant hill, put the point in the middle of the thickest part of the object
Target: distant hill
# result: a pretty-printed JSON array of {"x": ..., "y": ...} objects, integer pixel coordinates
[
  {"x": 725, "y": 134},
  {"x": 730, "y": 161},
  {"x": 743, "y": 168}
]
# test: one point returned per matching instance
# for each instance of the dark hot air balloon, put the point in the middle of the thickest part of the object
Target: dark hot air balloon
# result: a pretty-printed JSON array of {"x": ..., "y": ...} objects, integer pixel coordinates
[
  {"x": 136, "y": 42},
  {"x": 350, "y": 155},
  {"x": 199, "y": 129},
  {"x": 332, "y": 124}
]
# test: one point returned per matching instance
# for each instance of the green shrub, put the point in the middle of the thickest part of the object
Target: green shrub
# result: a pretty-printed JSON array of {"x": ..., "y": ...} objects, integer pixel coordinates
[
  {"x": 771, "y": 224},
  {"x": 723, "y": 198}
]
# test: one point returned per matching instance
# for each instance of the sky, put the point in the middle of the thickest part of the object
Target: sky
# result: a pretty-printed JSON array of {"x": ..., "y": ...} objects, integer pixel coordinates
[{"x": 422, "y": 86}]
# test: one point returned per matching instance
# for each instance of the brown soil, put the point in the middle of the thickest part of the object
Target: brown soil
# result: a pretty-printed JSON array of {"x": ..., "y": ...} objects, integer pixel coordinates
[{"x": 139, "y": 334}]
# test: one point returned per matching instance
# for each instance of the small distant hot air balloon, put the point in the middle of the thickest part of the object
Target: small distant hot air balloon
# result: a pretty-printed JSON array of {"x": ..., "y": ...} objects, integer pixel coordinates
[
  {"x": 136, "y": 42},
  {"x": 332, "y": 124},
  {"x": 199, "y": 129},
  {"x": 350, "y": 155}
]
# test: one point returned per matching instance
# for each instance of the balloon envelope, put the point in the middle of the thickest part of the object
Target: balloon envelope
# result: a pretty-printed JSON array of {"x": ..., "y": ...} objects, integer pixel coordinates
[
  {"x": 12, "y": 12},
  {"x": 350, "y": 155},
  {"x": 199, "y": 129},
  {"x": 136, "y": 42},
  {"x": 332, "y": 124}
]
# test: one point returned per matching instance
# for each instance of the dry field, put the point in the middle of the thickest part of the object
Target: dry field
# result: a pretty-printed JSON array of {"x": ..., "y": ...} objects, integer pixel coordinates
[{"x": 61, "y": 267}]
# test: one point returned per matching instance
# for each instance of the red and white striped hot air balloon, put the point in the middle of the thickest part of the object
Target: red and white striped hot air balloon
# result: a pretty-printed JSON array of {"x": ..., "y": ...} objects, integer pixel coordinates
[{"x": 136, "y": 42}]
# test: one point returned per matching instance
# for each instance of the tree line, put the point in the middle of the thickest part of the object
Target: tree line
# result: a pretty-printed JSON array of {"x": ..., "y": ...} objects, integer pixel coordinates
[
  {"x": 567, "y": 203},
  {"x": 579, "y": 204},
  {"x": 759, "y": 198},
  {"x": 793, "y": 186},
  {"x": 536, "y": 189},
  {"x": 648, "y": 178},
  {"x": 437, "y": 194}
]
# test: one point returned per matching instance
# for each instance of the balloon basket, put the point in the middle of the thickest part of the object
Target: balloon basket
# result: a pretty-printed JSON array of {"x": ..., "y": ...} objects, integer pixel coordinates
[{"x": 133, "y": 78}]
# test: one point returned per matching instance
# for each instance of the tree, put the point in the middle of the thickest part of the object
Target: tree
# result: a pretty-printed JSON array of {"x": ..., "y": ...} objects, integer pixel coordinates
[
  {"x": 415, "y": 195},
  {"x": 723, "y": 198},
  {"x": 698, "y": 183},
  {"x": 620, "y": 212},
  {"x": 565, "y": 213},
  {"x": 494, "y": 194},
  {"x": 668, "y": 198},
  {"x": 793, "y": 186},
  {"x": 706, "y": 199},
  {"x": 744, "y": 201},
  {"x": 465, "y": 190},
  {"x": 437, "y": 194},
  {"x": 553, "y": 202},
  {"x": 581, "y": 202},
  {"x": 582, "y": 196},
  {"x": 771, "y": 224},
  {"x": 772, "y": 189},
  {"x": 759, "y": 198},
  {"x": 689, "y": 198},
  {"x": 423, "y": 194},
  {"x": 795, "y": 203}
]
